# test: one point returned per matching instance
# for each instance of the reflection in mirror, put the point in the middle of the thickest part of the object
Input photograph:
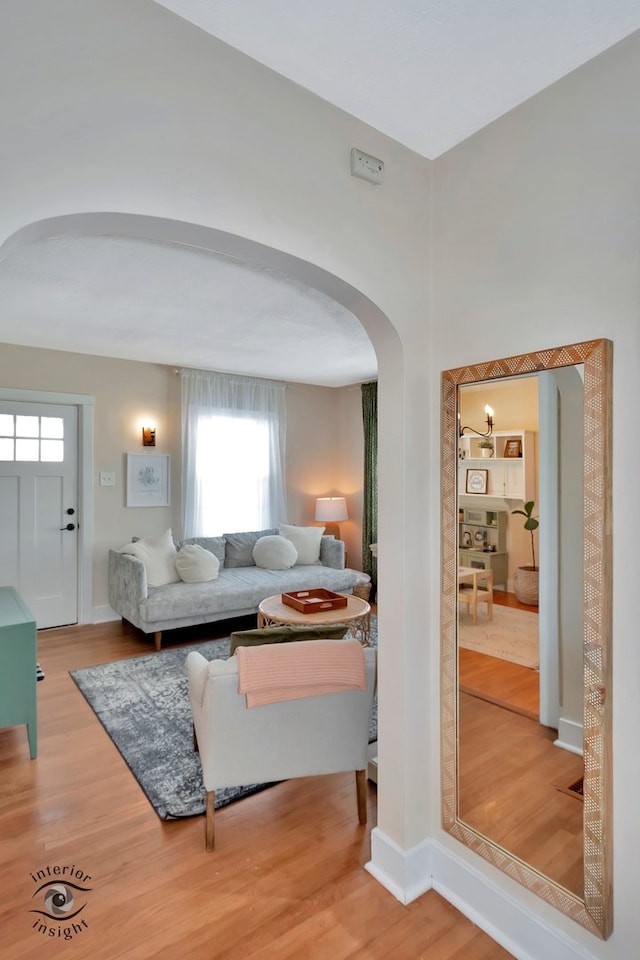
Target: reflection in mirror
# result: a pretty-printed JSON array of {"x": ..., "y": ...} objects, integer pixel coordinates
[
  {"x": 517, "y": 766},
  {"x": 525, "y": 664}
]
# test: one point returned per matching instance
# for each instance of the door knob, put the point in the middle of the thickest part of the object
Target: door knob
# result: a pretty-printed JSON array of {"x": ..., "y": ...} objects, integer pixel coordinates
[{"x": 69, "y": 526}]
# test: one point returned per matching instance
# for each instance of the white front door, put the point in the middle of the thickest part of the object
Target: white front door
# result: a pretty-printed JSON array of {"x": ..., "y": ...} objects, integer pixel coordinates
[{"x": 38, "y": 507}]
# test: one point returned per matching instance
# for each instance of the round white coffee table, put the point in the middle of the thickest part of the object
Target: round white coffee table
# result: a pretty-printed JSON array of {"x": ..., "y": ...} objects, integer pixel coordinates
[{"x": 272, "y": 612}]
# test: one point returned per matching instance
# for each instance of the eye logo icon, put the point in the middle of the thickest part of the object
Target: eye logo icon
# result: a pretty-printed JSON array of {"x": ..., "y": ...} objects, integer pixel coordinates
[{"x": 58, "y": 900}]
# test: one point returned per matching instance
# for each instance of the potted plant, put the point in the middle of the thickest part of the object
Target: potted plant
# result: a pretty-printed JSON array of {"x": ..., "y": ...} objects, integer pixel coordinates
[
  {"x": 525, "y": 582},
  {"x": 486, "y": 448}
]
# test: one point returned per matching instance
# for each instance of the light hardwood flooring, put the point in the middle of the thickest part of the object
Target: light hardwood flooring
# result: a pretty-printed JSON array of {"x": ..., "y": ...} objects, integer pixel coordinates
[
  {"x": 507, "y": 684},
  {"x": 286, "y": 879},
  {"x": 509, "y": 769}
]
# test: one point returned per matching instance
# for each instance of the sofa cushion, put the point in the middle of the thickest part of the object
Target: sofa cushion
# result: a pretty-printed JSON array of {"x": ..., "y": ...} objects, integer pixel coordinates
[
  {"x": 306, "y": 540},
  {"x": 254, "y": 638},
  {"x": 194, "y": 564},
  {"x": 274, "y": 553},
  {"x": 159, "y": 557},
  {"x": 215, "y": 545},
  {"x": 239, "y": 547}
]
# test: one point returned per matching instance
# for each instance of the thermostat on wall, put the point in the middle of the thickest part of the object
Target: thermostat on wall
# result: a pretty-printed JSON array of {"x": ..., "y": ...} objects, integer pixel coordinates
[{"x": 367, "y": 167}]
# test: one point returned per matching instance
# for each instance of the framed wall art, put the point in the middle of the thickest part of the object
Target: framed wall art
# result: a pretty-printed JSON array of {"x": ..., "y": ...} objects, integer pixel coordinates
[
  {"x": 477, "y": 481},
  {"x": 513, "y": 448},
  {"x": 148, "y": 479}
]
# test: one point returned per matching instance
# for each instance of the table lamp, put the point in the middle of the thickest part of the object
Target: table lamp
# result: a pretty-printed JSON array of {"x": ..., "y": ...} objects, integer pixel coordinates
[{"x": 330, "y": 510}]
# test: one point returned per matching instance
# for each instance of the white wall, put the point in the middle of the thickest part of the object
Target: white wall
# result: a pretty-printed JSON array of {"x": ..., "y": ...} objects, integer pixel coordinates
[
  {"x": 124, "y": 107},
  {"x": 537, "y": 241}
]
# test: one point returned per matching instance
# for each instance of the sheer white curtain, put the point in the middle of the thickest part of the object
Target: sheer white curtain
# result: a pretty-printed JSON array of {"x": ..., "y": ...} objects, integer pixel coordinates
[{"x": 233, "y": 447}]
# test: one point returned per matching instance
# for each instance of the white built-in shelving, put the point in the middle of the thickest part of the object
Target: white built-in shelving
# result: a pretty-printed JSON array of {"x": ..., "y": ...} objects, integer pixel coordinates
[{"x": 510, "y": 464}]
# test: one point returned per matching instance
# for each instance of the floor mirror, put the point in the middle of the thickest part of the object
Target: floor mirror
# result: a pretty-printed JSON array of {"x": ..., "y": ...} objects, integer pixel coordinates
[{"x": 557, "y": 847}]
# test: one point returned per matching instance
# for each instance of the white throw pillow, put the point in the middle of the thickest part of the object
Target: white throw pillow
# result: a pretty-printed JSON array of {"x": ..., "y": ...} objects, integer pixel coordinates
[
  {"x": 194, "y": 564},
  {"x": 274, "y": 553},
  {"x": 306, "y": 540},
  {"x": 159, "y": 557}
]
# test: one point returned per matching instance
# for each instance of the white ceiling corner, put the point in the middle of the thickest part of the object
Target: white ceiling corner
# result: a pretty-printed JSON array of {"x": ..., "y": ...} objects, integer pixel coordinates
[{"x": 427, "y": 73}]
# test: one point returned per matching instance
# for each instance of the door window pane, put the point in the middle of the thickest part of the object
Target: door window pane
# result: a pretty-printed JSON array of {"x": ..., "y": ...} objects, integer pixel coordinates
[
  {"x": 27, "y": 449},
  {"x": 27, "y": 426},
  {"x": 6, "y": 424},
  {"x": 52, "y": 451},
  {"x": 52, "y": 428},
  {"x": 6, "y": 449}
]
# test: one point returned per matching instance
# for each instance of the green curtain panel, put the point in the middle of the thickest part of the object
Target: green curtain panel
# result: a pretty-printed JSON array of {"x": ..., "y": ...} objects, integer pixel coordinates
[{"x": 370, "y": 505}]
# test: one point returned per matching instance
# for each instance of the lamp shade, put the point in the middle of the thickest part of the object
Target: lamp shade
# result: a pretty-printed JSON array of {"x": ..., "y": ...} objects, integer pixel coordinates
[{"x": 331, "y": 508}]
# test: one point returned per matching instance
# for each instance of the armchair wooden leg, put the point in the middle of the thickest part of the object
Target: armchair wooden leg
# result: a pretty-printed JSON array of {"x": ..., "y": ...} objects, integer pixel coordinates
[
  {"x": 361, "y": 790},
  {"x": 158, "y": 639},
  {"x": 209, "y": 830}
]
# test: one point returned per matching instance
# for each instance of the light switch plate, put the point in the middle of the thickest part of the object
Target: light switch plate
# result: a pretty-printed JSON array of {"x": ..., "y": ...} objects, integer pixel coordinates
[{"x": 107, "y": 479}]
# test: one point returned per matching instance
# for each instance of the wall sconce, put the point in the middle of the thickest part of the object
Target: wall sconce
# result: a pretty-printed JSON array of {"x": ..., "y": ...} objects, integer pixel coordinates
[
  {"x": 330, "y": 510},
  {"x": 148, "y": 436},
  {"x": 489, "y": 412}
]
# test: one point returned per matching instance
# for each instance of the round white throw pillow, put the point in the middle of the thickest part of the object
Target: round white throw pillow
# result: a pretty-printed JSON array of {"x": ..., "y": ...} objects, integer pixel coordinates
[
  {"x": 194, "y": 564},
  {"x": 274, "y": 553}
]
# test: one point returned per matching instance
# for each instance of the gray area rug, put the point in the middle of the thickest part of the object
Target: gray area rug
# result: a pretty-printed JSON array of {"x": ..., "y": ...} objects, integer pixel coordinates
[{"x": 143, "y": 704}]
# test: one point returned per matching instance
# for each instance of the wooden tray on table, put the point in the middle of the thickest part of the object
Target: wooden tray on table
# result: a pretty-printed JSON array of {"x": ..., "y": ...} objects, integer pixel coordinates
[{"x": 314, "y": 601}]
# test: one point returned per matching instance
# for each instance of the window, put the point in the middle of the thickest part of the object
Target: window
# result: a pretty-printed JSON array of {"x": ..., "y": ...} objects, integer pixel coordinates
[
  {"x": 233, "y": 497},
  {"x": 233, "y": 450},
  {"x": 33, "y": 439}
]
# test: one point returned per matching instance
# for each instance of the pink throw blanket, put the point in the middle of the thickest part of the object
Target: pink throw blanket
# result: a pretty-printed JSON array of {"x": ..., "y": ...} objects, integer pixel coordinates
[{"x": 292, "y": 671}]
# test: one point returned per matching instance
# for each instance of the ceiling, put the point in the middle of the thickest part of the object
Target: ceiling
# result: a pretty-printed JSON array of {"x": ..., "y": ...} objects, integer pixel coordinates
[
  {"x": 177, "y": 305},
  {"x": 427, "y": 73}
]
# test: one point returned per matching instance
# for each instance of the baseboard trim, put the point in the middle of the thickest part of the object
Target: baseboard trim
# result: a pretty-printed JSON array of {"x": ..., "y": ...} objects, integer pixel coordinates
[
  {"x": 104, "y": 614},
  {"x": 570, "y": 736},
  {"x": 405, "y": 874},
  {"x": 432, "y": 865}
]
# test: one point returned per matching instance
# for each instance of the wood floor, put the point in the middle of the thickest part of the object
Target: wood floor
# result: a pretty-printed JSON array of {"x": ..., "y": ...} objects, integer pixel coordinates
[
  {"x": 286, "y": 879},
  {"x": 509, "y": 768},
  {"x": 498, "y": 681}
]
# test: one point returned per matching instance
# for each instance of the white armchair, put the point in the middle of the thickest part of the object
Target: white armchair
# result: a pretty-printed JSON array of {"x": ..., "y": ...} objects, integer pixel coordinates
[{"x": 278, "y": 741}]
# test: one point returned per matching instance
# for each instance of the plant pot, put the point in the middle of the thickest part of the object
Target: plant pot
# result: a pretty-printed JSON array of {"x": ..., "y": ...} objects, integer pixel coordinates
[
  {"x": 525, "y": 585},
  {"x": 486, "y": 451}
]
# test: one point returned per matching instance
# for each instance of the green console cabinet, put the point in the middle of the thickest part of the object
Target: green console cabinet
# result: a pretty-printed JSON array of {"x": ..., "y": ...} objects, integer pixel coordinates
[{"x": 18, "y": 666}]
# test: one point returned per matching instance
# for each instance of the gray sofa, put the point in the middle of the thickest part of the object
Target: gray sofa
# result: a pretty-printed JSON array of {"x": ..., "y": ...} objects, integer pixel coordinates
[{"x": 238, "y": 589}]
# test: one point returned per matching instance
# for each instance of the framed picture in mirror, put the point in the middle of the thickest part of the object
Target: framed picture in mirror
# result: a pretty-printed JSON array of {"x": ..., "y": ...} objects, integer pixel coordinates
[
  {"x": 477, "y": 481},
  {"x": 513, "y": 448}
]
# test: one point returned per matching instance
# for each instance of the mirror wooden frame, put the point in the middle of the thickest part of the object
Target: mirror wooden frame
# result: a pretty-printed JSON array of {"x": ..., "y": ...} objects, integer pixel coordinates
[{"x": 594, "y": 909}]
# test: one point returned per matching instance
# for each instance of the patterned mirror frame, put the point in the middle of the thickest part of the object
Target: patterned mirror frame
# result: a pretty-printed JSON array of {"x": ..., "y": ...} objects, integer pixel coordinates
[{"x": 594, "y": 910}]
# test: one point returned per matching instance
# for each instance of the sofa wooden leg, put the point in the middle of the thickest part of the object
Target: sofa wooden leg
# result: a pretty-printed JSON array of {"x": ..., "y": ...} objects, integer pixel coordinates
[
  {"x": 158, "y": 639},
  {"x": 209, "y": 830},
  {"x": 361, "y": 790}
]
